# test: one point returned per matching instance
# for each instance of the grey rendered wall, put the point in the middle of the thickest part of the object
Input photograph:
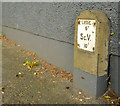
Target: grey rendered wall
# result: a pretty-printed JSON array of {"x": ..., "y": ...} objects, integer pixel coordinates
[
  {"x": 115, "y": 63},
  {"x": 115, "y": 73},
  {"x": 57, "y": 20}
]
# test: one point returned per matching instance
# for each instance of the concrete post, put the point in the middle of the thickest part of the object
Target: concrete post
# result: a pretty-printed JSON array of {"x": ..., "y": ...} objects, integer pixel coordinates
[{"x": 91, "y": 52}]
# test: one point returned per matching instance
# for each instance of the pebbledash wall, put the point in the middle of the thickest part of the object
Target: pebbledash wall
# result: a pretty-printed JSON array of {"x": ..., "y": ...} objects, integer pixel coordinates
[{"x": 49, "y": 28}]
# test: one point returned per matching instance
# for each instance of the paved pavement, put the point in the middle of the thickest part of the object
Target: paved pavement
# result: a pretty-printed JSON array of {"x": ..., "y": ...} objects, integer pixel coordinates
[{"x": 43, "y": 84}]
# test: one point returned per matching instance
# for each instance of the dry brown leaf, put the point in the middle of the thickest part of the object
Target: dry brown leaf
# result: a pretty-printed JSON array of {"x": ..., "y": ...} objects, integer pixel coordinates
[
  {"x": 21, "y": 94},
  {"x": 10, "y": 85},
  {"x": 38, "y": 92}
]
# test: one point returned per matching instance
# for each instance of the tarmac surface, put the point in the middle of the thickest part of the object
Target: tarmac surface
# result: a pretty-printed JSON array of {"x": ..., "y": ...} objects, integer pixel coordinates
[{"x": 44, "y": 83}]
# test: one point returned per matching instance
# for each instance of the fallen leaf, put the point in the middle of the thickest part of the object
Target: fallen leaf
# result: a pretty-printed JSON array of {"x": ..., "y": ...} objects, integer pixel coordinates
[
  {"x": 32, "y": 102},
  {"x": 28, "y": 63},
  {"x": 41, "y": 72},
  {"x": 119, "y": 99},
  {"x": 20, "y": 76},
  {"x": 4, "y": 45},
  {"x": 38, "y": 92},
  {"x": 35, "y": 73},
  {"x": 112, "y": 33},
  {"x": 76, "y": 98},
  {"x": 32, "y": 54},
  {"x": 28, "y": 52},
  {"x": 34, "y": 63},
  {"x": 24, "y": 64},
  {"x": 43, "y": 68},
  {"x": 21, "y": 94},
  {"x": 10, "y": 85},
  {"x": 108, "y": 77},
  {"x": 51, "y": 70},
  {"x": 29, "y": 67},
  {"x": 107, "y": 97},
  {"x": 1, "y": 34},
  {"x": 37, "y": 60},
  {"x": 54, "y": 76}
]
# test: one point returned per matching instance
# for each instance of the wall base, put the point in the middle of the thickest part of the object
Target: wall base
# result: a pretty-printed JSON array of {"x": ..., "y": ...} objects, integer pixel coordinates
[
  {"x": 94, "y": 85},
  {"x": 57, "y": 53},
  {"x": 115, "y": 73}
]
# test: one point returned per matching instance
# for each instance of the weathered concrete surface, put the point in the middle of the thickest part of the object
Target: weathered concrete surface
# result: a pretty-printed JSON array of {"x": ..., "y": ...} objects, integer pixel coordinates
[{"x": 91, "y": 62}]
